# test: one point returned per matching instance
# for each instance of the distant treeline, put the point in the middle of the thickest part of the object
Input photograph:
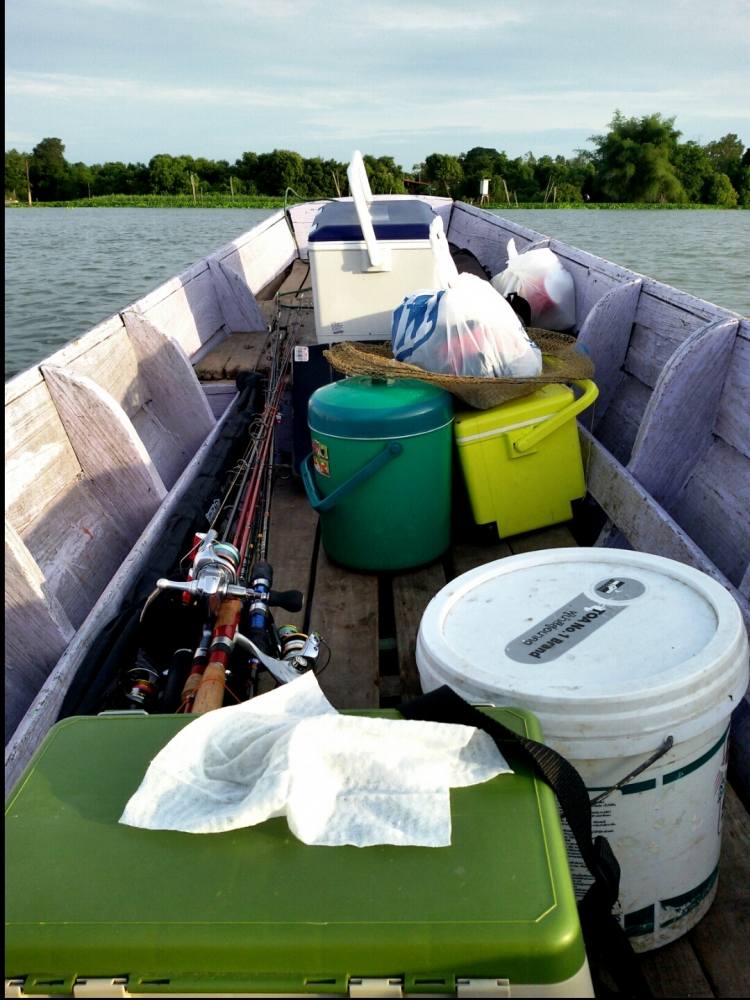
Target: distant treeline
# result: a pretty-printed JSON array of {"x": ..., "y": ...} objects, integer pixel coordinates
[{"x": 638, "y": 160}]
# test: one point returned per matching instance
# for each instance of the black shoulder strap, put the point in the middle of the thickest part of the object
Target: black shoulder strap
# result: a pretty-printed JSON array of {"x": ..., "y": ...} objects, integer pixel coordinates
[{"x": 609, "y": 951}]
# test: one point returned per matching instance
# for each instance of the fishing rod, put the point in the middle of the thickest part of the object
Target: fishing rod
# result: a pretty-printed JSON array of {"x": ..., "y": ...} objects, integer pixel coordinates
[{"x": 230, "y": 576}]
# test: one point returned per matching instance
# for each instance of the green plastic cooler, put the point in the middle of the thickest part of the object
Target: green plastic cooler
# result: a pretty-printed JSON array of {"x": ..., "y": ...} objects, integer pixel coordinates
[
  {"x": 380, "y": 471},
  {"x": 99, "y": 909}
]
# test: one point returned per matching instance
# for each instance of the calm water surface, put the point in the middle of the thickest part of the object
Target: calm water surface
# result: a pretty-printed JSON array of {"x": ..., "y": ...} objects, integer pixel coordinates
[{"x": 68, "y": 269}]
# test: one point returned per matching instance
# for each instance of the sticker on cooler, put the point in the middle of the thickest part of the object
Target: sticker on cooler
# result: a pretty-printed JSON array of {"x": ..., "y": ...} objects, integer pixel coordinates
[{"x": 320, "y": 458}]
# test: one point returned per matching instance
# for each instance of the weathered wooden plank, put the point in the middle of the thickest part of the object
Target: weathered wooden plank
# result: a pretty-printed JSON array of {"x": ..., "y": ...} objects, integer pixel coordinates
[
  {"x": 239, "y": 352},
  {"x": 27, "y": 380},
  {"x": 219, "y": 394},
  {"x": 675, "y": 971},
  {"x": 676, "y": 429},
  {"x": 605, "y": 335},
  {"x": 301, "y": 217},
  {"x": 714, "y": 508},
  {"x": 189, "y": 310},
  {"x": 345, "y": 612},
  {"x": 556, "y": 536},
  {"x": 39, "y": 459},
  {"x": 176, "y": 404},
  {"x": 617, "y": 429},
  {"x": 37, "y": 630},
  {"x": 412, "y": 592},
  {"x": 291, "y": 543},
  {"x": 294, "y": 304},
  {"x": 645, "y": 524},
  {"x": 236, "y": 301},
  {"x": 44, "y": 709},
  {"x": 296, "y": 281},
  {"x": 466, "y": 556},
  {"x": 733, "y": 417},
  {"x": 113, "y": 364},
  {"x": 721, "y": 938},
  {"x": 660, "y": 327},
  {"x": 78, "y": 547},
  {"x": 264, "y": 251},
  {"x": 112, "y": 456}
]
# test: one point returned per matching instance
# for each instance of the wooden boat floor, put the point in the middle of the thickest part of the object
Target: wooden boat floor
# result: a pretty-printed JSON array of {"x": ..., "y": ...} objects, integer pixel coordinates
[{"x": 370, "y": 623}]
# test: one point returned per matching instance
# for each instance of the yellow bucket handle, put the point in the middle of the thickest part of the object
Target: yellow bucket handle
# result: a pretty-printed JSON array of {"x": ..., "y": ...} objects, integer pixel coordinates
[{"x": 546, "y": 427}]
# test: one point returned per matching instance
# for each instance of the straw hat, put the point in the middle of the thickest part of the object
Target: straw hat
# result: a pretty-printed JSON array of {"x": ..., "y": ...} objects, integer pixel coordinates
[{"x": 562, "y": 362}]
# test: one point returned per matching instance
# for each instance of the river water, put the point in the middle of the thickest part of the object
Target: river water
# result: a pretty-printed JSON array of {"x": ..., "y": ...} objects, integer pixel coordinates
[{"x": 68, "y": 269}]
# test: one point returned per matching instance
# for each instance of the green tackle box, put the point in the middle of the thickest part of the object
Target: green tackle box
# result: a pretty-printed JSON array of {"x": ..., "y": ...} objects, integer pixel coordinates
[{"x": 95, "y": 908}]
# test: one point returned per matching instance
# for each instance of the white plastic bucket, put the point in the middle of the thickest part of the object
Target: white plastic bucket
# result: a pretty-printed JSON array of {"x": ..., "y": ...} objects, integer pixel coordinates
[{"x": 615, "y": 652}]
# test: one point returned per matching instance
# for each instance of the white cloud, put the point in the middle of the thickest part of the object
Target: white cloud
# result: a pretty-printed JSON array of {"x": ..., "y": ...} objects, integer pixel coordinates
[
  {"x": 433, "y": 15},
  {"x": 75, "y": 87}
]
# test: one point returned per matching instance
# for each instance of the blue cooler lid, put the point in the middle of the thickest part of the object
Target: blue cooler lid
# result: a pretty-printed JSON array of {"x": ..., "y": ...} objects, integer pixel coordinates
[
  {"x": 402, "y": 219},
  {"x": 366, "y": 407}
]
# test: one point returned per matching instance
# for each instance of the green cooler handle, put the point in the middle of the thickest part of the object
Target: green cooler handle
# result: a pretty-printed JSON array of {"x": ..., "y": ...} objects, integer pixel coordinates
[
  {"x": 547, "y": 427},
  {"x": 392, "y": 450}
]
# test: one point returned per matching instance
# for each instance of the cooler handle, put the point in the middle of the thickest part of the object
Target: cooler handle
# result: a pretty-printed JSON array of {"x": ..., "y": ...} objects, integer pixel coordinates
[
  {"x": 359, "y": 187},
  {"x": 392, "y": 450},
  {"x": 547, "y": 427}
]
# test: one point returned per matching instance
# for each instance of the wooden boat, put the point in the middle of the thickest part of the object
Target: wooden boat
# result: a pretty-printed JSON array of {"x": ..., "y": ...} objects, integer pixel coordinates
[{"x": 105, "y": 439}]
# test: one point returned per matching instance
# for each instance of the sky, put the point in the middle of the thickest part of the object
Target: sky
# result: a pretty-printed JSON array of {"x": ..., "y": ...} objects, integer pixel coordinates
[{"x": 127, "y": 79}]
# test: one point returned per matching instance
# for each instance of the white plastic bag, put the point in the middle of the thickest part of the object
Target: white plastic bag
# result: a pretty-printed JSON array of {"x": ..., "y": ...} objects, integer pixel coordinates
[
  {"x": 539, "y": 278},
  {"x": 467, "y": 329}
]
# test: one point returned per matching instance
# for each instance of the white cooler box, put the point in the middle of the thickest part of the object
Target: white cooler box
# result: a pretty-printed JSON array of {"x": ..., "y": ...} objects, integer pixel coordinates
[{"x": 366, "y": 254}]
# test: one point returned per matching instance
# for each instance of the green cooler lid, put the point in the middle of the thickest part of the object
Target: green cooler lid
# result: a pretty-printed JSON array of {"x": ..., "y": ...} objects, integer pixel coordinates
[{"x": 365, "y": 407}]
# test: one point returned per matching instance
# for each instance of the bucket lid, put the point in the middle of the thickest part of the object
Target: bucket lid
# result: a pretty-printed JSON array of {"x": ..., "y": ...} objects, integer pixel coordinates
[
  {"x": 613, "y": 650},
  {"x": 366, "y": 407}
]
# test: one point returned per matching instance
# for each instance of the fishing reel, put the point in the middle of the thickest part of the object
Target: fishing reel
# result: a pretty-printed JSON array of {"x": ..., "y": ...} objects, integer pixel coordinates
[{"x": 214, "y": 576}]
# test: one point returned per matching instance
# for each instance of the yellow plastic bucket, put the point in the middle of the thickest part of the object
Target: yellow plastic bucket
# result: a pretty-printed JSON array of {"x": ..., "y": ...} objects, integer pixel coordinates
[{"x": 521, "y": 461}]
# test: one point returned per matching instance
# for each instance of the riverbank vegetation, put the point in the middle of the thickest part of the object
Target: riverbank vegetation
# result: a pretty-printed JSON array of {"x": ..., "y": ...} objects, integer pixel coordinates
[{"x": 638, "y": 162}]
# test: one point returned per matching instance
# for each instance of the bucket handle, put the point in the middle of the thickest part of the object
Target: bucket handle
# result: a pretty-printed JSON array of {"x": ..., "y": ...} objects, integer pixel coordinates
[
  {"x": 527, "y": 441},
  {"x": 392, "y": 450}
]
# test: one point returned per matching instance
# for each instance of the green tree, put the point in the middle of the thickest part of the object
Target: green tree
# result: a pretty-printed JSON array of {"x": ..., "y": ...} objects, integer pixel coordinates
[
  {"x": 694, "y": 168},
  {"x": 246, "y": 171},
  {"x": 213, "y": 173},
  {"x": 742, "y": 182},
  {"x": 80, "y": 178},
  {"x": 520, "y": 177},
  {"x": 323, "y": 178},
  {"x": 446, "y": 172},
  {"x": 170, "y": 174},
  {"x": 110, "y": 178},
  {"x": 15, "y": 174},
  {"x": 49, "y": 171},
  {"x": 558, "y": 179},
  {"x": 278, "y": 171},
  {"x": 634, "y": 160},
  {"x": 719, "y": 191},
  {"x": 384, "y": 175},
  {"x": 479, "y": 163},
  {"x": 725, "y": 153}
]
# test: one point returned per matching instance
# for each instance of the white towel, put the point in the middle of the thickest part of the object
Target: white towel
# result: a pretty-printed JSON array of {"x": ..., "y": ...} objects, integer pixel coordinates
[{"x": 339, "y": 779}]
